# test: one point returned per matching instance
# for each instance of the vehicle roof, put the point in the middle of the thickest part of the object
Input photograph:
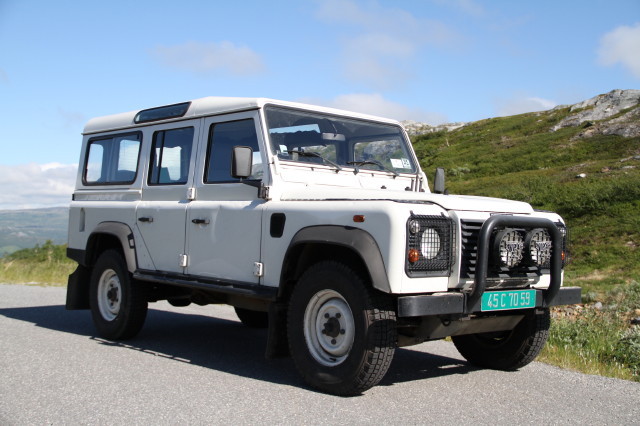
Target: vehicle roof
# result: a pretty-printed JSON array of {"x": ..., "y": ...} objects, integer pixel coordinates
[{"x": 213, "y": 105}]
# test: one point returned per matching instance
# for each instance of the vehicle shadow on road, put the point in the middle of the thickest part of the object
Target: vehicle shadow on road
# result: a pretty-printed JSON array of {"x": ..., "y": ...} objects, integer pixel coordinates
[{"x": 223, "y": 345}]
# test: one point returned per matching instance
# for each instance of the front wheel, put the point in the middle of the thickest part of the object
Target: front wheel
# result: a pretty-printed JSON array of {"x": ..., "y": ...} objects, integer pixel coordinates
[
  {"x": 507, "y": 350},
  {"x": 342, "y": 334},
  {"x": 118, "y": 305}
]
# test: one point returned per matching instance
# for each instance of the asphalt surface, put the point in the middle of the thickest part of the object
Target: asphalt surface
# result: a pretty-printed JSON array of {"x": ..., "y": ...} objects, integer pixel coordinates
[{"x": 199, "y": 365}]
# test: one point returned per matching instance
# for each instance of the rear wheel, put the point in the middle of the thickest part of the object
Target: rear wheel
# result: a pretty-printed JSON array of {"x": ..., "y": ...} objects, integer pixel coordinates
[
  {"x": 253, "y": 319},
  {"x": 342, "y": 334},
  {"x": 507, "y": 350},
  {"x": 118, "y": 305}
]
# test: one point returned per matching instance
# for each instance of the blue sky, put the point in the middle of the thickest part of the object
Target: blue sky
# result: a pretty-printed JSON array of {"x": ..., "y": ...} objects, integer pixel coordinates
[{"x": 435, "y": 61}]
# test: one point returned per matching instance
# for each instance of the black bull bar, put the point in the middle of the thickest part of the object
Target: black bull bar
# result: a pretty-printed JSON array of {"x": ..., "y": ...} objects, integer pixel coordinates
[{"x": 455, "y": 302}]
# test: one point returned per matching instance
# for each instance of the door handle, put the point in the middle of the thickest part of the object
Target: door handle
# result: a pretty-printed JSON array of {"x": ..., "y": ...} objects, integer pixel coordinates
[
  {"x": 200, "y": 221},
  {"x": 145, "y": 219}
]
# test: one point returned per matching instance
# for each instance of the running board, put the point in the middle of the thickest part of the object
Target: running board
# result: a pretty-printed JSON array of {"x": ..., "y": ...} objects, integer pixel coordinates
[{"x": 219, "y": 286}]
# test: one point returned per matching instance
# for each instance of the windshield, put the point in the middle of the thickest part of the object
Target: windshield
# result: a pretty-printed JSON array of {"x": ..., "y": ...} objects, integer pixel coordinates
[{"x": 337, "y": 142}]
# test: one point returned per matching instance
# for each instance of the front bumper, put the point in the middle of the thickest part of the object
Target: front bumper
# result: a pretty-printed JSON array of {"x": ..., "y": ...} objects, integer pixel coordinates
[{"x": 455, "y": 303}]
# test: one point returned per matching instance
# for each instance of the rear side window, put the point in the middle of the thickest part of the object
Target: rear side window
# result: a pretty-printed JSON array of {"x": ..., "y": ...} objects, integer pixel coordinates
[
  {"x": 222, "y": 138},
  {"x": 171, "y": 156},
  {"x": 112, "y": 160}
]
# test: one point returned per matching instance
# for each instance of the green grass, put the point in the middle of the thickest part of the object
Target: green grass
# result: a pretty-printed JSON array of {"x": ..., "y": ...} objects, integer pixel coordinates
[
  {"x": 599, "y": 341},
  {"x": 45, "y": 265}
]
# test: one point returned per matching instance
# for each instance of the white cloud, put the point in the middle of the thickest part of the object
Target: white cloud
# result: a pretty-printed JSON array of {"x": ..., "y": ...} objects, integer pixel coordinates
[
  {"x": 387, "y": 40},
  {"x": 209, "y": 58},
  {"x": 622, "y": 45},
  {"x": 32, "y": 185},
  {"x": 520, "y": 104},
  {"x": 376, "y": 104}
]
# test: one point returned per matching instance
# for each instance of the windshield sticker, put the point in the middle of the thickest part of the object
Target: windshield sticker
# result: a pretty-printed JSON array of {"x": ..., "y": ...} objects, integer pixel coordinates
[{"x": 397, "y": 163}]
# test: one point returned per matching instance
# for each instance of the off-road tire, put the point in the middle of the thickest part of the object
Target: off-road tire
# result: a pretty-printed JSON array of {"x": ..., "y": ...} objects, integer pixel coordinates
[
  {"x": 509, "y": 350},
  {"x": 118, "y": 303},
  {"x": 253, "y": 319},
  {"x": 335, "y": 353}
]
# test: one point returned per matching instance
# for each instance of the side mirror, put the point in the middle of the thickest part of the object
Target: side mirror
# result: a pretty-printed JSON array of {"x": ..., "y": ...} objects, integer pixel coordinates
[
  {"x": 241, "y": 162},
  {"x": 438, "y": 183}
]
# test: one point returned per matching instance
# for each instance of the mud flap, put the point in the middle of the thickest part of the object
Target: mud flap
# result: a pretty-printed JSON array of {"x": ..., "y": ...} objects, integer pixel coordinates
[{"x": 78, "y": 289}]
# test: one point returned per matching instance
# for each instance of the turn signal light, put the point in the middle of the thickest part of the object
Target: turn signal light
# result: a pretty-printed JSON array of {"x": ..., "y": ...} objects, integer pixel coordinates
[
  {"x": 359, "y": 218},
  {"x": 413, "y": 256}
]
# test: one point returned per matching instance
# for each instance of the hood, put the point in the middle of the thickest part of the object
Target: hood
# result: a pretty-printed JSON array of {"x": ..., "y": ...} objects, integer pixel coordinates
[{"x": 447, "y": 202}]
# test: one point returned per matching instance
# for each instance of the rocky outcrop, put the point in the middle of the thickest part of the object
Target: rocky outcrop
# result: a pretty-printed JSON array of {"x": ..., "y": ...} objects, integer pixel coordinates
[
  {"x": 415, "y": 128},
  {"x": 594, "y": 114}
]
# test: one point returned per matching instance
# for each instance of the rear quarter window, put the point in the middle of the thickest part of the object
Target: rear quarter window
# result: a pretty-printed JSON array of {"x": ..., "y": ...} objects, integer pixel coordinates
[{"x": 112, "y": 160}]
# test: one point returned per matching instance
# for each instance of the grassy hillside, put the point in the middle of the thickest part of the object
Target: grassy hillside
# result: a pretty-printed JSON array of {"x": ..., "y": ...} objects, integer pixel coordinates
[
  {"x": 519, "y": 158},
  {"x": 46, "y": 264}
]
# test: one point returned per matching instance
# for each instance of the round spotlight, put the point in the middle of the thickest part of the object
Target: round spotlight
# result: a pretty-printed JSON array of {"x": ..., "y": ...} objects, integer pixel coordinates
[
  {"x": 509, "y": 247},
  {"x": 538, "y": 244}
]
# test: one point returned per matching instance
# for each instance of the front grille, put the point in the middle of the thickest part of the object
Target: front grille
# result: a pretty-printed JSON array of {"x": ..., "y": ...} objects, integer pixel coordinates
[
  {"x": 498, "y": 276},
  {"x": 469, "y": 231}
]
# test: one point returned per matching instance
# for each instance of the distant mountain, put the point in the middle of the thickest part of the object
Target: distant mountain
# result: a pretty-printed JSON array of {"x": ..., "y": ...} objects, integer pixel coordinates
[{"x": 25, "y": 228}]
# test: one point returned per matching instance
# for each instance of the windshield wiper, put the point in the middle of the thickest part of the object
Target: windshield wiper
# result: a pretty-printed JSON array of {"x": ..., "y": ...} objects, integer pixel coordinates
[
  {"x": 316, "y": 155},
  {"x": 357, "y": 165}
]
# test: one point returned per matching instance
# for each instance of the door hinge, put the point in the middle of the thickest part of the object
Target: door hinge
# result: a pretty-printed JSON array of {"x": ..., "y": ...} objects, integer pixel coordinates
[
  {"x": 258, "y": 269},
  {"x": 184, "y": 260},
  {"x": 264, "y": 192},
  {"x": 191, "y": 194}
]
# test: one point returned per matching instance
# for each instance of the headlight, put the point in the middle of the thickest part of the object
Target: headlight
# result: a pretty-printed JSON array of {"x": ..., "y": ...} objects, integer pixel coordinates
[
  {"x": 509, "y": 247},
  {"x": 429, "y": 246},
  {"x": 430, "y": 243},
  {"x": 538, "y": 245}
]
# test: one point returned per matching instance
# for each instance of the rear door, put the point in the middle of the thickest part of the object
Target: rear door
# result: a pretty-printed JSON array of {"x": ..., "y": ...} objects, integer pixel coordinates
[{"x": 161, "y": 214}]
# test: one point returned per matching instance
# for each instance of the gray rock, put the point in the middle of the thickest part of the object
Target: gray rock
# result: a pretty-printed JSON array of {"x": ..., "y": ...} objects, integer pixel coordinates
[
  {"x": 602, "y": 107},
  {"x": 415, "y": 128}
]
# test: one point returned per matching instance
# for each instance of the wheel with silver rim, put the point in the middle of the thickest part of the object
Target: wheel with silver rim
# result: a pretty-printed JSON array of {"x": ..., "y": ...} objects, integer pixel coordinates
[
  {"x": 109, "y": 294},
  {"x": 118, "y": 302},
  {"x": 328, "y": 328},
  {"x": 342, "y": 333}
]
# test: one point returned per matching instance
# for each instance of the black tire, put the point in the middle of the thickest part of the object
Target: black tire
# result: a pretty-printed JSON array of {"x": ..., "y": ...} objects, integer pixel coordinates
[
  {"x": 118, "y": 303},
  {"x": 342, "y": 333},
  {"x": 253, "y": 319},
  {"x": 508, "y": 350}
]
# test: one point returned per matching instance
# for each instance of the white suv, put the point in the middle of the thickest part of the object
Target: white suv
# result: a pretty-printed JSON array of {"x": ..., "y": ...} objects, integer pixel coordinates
[{"x": 314, "y": 222}]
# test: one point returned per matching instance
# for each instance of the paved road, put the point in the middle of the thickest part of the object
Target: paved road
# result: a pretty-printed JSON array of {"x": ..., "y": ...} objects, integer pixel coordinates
[{"x": 199, "y": 365}]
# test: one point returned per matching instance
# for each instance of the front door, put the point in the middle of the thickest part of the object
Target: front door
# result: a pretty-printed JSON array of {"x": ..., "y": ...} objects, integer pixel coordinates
[{"x": 224, "y": 222}]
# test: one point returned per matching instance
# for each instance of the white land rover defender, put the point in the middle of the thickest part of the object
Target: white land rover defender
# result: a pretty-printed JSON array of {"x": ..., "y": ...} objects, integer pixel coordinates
[{"x": 314, "y": 222}]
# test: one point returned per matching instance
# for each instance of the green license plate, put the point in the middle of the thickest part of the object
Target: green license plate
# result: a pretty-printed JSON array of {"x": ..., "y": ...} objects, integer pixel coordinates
[{"x": 504, "y": 300}]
